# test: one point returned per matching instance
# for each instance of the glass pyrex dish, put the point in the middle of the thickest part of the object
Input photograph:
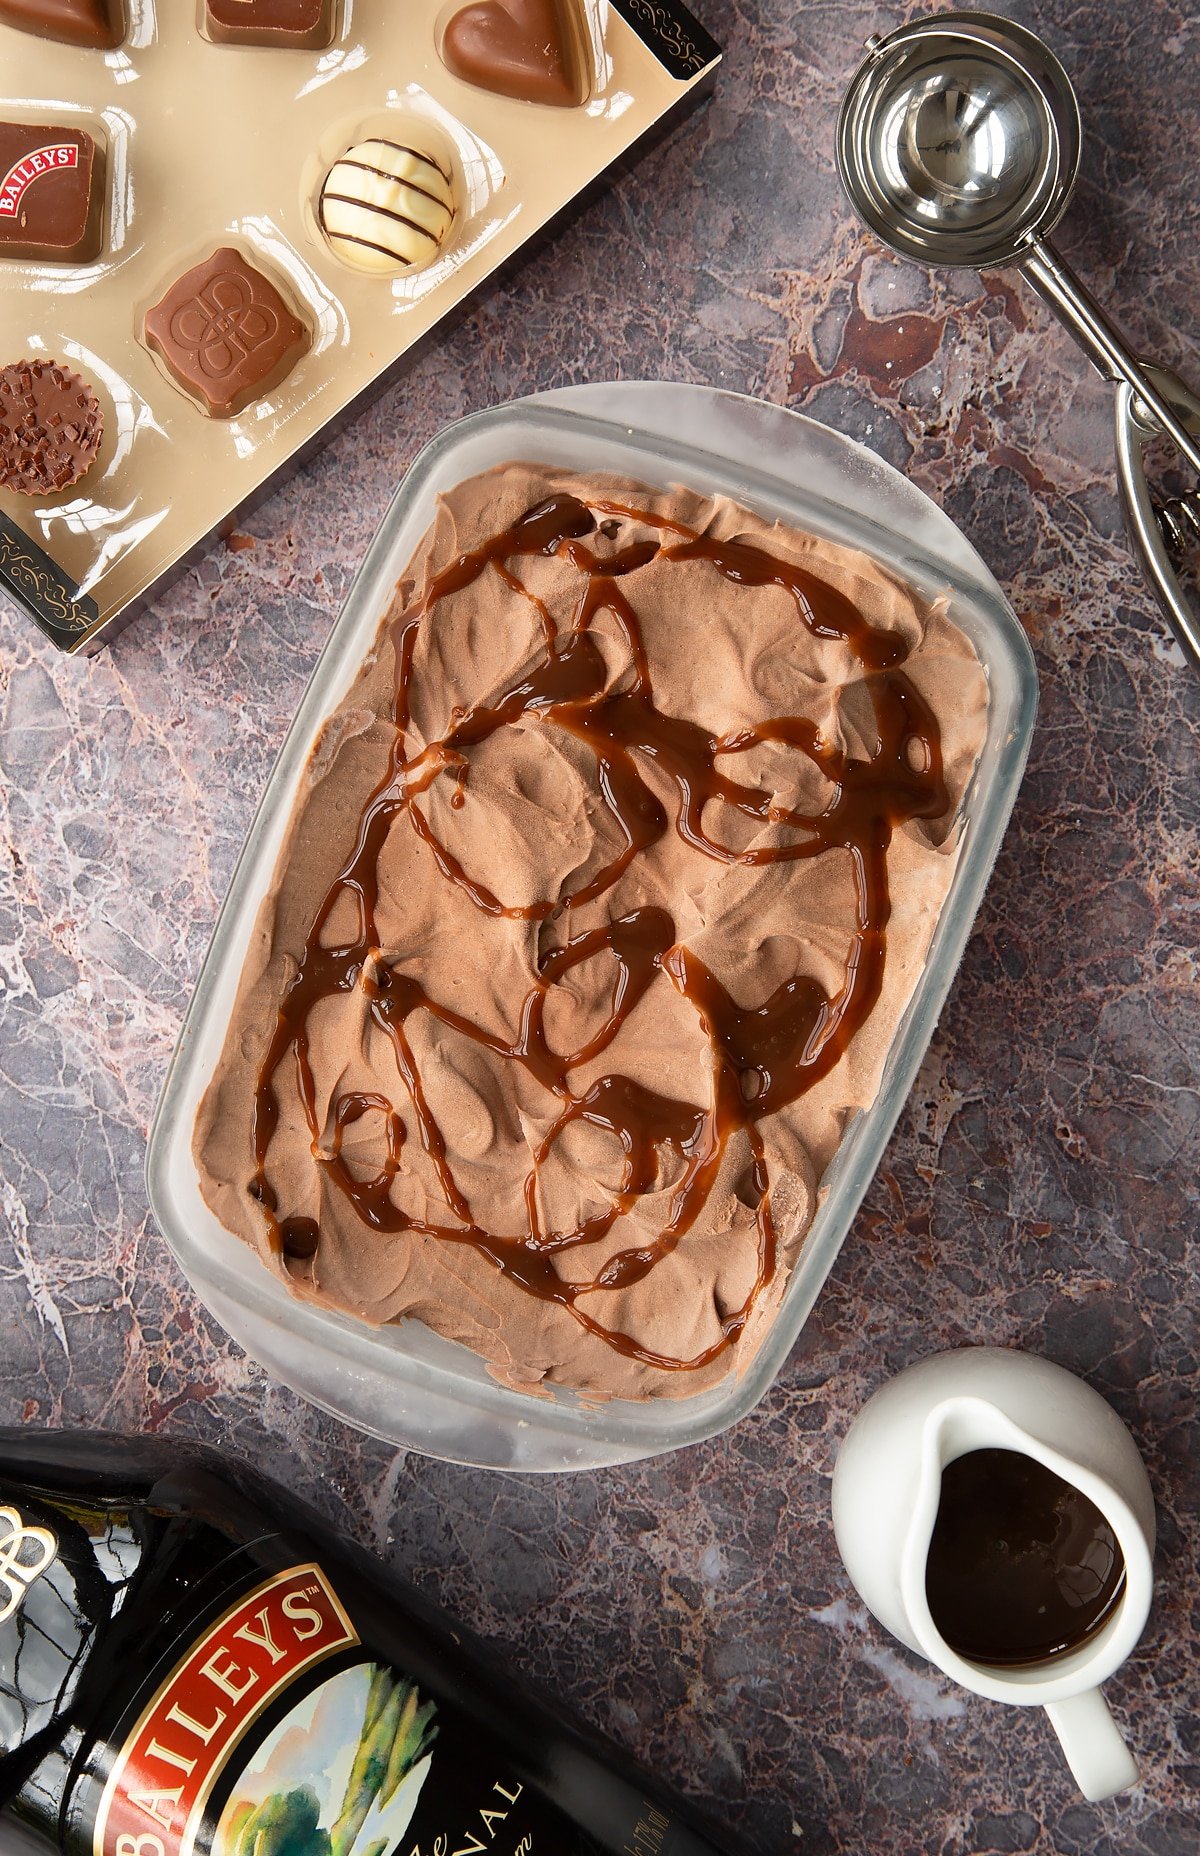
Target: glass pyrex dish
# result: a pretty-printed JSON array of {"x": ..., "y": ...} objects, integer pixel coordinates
[{"x": 404, "y": 1383}]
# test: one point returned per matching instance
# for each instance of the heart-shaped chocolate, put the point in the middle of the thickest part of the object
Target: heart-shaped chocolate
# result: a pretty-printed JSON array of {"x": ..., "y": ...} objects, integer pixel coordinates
[
  {"x": 519, "y": 48},
  {"x": 98, "y": 24}
]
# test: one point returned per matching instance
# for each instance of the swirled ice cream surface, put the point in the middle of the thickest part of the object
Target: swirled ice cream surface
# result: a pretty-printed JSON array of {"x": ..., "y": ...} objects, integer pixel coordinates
[{"x": 606, "y": 889}]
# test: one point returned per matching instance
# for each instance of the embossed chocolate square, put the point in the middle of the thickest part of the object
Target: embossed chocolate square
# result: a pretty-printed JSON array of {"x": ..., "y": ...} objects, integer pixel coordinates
[
  {"x": 303, "y": 24},
  {"x": 51, "y": 193},
  {"x": 225, "y": 333}
]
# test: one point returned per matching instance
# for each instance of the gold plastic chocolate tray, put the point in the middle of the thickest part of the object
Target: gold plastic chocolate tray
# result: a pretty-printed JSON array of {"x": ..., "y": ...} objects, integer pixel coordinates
[{"x": 208, "y": 146}]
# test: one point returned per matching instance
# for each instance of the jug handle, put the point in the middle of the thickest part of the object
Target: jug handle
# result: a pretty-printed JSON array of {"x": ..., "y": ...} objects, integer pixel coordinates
[{"x": 1096, "y": 1753}]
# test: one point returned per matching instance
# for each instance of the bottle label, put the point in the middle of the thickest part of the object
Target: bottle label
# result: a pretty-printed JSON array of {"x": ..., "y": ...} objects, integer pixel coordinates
[
  {"x": 25, "y": 1553},
  {"x": 154, "y": 1803},
  {"x": 249, "y": 1748},
  {"x": 279, "y": 1732}
]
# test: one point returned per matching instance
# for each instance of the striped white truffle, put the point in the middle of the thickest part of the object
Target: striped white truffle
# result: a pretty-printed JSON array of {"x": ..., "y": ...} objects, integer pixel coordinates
[{"x": 386, "y": 206}]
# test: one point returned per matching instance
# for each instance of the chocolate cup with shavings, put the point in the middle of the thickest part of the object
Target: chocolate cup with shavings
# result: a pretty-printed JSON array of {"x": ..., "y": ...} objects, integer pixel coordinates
[{"x": 51, "y": 426}]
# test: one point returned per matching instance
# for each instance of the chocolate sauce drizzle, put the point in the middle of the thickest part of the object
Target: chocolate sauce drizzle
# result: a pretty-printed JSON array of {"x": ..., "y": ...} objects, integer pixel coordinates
[{"x": 765, "y": 1056}]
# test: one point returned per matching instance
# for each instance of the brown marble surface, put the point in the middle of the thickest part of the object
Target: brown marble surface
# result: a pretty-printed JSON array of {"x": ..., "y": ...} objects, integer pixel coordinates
[{"x": 1041, "y": 1189}]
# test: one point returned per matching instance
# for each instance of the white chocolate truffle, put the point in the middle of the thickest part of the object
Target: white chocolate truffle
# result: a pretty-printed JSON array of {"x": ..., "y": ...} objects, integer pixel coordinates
[{"x": 386, "y": 207}]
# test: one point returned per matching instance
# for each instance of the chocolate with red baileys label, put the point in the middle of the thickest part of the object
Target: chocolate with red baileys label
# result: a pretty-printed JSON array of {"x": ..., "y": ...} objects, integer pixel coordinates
[{"x": 22, "y": 174}]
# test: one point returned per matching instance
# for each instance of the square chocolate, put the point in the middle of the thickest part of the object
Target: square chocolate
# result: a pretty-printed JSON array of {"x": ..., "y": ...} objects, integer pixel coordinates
[
  {"x": 225, "y": 333},
  {"x": 51, "y": 193},
  {"x": 97, "y": 24},
  {"x": 303, "y": 24}
]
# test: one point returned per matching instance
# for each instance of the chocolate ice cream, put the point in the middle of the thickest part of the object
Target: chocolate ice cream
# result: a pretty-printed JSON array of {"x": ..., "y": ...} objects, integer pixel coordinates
[{"x": 608, "y": 885}]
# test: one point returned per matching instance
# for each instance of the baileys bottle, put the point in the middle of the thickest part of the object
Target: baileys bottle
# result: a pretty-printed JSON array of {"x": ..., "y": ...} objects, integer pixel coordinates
[{"x": 192, "y": 1664}]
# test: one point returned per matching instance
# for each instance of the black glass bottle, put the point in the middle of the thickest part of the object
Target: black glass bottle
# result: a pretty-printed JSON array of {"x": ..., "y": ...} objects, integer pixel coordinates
[{"x": 191, "y": 1661}]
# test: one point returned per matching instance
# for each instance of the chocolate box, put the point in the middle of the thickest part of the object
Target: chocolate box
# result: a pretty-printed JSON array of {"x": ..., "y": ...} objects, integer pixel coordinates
[{"x": 229, "y": 297}]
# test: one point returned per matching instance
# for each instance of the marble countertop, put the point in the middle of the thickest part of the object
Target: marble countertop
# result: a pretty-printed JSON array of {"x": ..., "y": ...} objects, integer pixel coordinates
[{"x": 1041, "y": 1189}]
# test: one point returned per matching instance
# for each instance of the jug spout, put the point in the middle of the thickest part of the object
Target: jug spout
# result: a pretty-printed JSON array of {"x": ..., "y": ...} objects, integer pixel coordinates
[
  {"x": 966, "y": 1422},
  {"x": 886, "y": 1489},
  {"x": 954, "y": 1427}
]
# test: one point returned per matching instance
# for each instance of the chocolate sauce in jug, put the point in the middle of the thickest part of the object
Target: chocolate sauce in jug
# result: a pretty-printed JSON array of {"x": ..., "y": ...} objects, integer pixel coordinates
[{"x": 1022, "y": 1566}]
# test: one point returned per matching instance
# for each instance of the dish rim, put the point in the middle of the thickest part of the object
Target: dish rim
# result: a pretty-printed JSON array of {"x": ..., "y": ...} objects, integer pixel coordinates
[{"x": 581, "y": 1433}]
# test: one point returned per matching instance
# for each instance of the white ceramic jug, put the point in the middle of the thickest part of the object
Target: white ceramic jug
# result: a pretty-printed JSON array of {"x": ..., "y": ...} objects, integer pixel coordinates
[{"x": 885, "y": 1499}]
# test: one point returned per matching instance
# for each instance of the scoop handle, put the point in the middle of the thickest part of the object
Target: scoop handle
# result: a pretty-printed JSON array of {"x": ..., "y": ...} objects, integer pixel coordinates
[
  {"x": 1097, "y": 1755},
  {"x": 1100, "y": 339},
  {"x": 1141, "y": 517}
]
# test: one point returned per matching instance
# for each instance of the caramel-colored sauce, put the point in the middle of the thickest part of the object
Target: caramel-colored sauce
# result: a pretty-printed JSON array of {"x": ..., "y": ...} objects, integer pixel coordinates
[{"x": 764, "y": 1056}]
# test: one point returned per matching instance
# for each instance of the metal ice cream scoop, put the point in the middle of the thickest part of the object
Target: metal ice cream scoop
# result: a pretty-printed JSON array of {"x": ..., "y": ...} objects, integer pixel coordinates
[{"x": 958, "y": 143}]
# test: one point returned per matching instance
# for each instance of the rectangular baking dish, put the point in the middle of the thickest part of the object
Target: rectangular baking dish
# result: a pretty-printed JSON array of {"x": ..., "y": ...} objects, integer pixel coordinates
[{"x": 403, "y": 1382}]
